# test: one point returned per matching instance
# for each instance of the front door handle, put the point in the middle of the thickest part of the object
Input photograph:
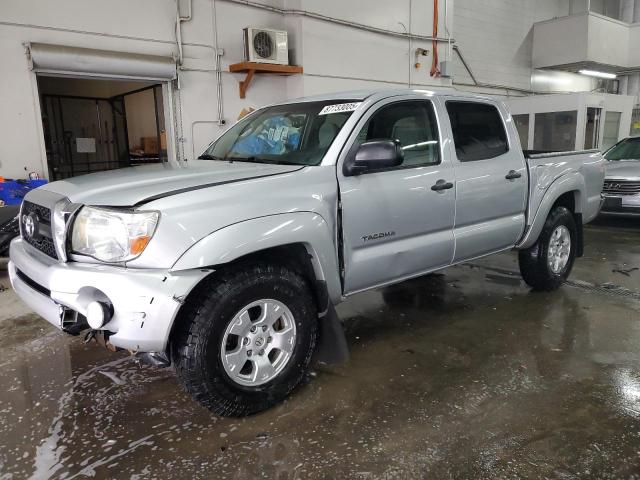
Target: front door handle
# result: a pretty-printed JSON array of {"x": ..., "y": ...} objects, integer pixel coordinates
[
  {"x": 512, "y": 175},
  {"x": 441, "y": 185}
]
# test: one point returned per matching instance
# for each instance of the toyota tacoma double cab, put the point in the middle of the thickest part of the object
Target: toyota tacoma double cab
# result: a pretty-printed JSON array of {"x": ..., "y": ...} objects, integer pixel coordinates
[{"x": 229, "y": 266}]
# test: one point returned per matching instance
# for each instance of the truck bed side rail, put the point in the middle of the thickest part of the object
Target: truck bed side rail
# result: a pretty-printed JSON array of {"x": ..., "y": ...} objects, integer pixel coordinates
[{"x": 538, "y": 154}]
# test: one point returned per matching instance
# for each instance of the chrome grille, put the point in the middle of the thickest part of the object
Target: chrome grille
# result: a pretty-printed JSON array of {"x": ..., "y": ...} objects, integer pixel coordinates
[
  {"x": 621, "y": 187},
  {"x": 41, "y": 237}
]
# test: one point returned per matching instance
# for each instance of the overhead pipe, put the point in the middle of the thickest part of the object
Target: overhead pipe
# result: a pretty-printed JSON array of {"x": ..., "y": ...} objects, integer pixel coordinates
[
  {"x": 409, "y": 55},
  {"x": 475, "y": 83},
  {"x": 337, "y": 21},
  {"x": 218, "y": 54},
  {"x": 465, "y": 64},
  {"x": 435, "y": 68},
  {"x": 446, "y": 29},
  {"x": 179, "y": 21}
]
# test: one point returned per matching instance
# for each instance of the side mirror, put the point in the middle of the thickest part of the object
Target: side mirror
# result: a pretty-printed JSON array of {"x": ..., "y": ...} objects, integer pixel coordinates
[{"x": 374, "y": 155}]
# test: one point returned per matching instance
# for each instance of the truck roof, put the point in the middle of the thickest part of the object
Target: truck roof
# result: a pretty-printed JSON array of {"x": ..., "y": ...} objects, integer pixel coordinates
[{"x": 379, "y": 94}]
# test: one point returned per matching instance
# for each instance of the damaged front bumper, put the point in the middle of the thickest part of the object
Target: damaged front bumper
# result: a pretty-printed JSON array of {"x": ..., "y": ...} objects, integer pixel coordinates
[{"x": 145, "y": 302}]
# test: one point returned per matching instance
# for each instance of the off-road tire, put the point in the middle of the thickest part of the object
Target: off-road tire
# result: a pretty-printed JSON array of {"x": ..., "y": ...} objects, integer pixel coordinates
[
  {"x": 533, "y": 260},
  {"x": 196, "y": 342}
]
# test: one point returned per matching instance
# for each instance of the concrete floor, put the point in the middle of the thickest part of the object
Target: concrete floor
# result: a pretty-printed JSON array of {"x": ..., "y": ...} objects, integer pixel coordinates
[{"x": 464, "y": 374}]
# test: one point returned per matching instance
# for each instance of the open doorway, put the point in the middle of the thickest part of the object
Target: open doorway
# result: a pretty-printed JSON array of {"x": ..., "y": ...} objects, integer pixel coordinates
[{"x": 93, "y": 125}]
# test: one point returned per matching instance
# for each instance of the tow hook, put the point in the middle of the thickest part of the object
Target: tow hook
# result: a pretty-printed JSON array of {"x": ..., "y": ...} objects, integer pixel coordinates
[
  {"x": 67, "y": 317},
  {"x": 71, "y": 321},
  {"x": 91, "y": 334}
]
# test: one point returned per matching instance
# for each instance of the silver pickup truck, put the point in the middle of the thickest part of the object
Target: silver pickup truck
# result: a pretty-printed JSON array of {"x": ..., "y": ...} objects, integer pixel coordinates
[{"x": 229, "y": 266}]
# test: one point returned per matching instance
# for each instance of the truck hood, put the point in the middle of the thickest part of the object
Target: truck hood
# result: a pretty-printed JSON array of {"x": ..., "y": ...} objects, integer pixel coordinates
[
  {"x": 137, "y": 185},
  {"x": 623, "y": 170}
]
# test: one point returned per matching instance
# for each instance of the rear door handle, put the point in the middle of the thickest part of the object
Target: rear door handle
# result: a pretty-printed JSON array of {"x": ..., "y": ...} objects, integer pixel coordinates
[
  {"x": 513, "y": 174},
  {"x": 441, "y": 185}
]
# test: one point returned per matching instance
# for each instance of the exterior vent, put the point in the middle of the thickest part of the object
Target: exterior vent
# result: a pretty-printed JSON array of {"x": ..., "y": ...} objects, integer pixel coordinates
[{"x": 262, "y": 45}]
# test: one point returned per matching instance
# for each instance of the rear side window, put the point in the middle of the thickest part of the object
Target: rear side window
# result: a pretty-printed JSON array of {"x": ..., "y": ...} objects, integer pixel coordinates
[{"x": 478, "y": 131}]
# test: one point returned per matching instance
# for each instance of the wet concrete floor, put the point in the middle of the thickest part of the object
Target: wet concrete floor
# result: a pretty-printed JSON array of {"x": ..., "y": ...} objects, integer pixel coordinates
[{"x": 464, "y": 374}]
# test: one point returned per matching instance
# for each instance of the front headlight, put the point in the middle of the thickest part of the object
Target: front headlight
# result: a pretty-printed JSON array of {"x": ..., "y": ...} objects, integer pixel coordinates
[{"x": 112, "y": 235}]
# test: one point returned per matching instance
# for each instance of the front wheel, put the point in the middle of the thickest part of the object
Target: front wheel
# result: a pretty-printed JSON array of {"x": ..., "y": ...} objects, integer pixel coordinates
[
  {"x": 547, "y": 264},
  {"x": 246, "y": 339}
]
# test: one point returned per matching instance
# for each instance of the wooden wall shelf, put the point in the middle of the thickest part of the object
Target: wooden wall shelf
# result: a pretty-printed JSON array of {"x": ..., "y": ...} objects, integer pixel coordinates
[{"x": 251, "y": 68}]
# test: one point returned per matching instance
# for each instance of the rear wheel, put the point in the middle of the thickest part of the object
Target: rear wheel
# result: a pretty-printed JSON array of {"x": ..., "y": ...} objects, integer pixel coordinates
[
  {"x": 548, "y": 263},
  {"x": 246, "y": 339}
]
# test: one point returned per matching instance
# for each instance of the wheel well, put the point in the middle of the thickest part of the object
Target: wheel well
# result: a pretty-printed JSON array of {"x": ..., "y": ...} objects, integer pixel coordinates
[
  {"x": 294, "y": 256},
  {"x": 567, "y": 200}
]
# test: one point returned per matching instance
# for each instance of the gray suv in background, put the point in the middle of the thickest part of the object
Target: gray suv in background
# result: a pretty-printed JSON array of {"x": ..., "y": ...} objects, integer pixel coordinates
[
  {"x": 229, "y": 266},
  {"x": 622, "y": 179}
]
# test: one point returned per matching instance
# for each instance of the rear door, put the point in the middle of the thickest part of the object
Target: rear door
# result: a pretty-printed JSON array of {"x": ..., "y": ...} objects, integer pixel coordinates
[
  {"x": 491, "y": 178},
  {"x": 394, "y": 225}
]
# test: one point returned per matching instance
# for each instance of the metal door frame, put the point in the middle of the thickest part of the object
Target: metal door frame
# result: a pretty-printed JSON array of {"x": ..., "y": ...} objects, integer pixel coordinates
[
  {"x": 170, "y": 118},
  {"x": 110, "y": 100}
]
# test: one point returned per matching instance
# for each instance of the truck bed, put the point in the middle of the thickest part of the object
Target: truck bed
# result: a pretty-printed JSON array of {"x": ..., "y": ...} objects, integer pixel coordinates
[{"x": 548, "y": 169}]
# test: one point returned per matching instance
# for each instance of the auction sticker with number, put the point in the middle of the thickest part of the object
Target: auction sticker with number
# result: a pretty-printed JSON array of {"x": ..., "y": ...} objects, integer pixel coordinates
[{"x": 339, "y": 107}]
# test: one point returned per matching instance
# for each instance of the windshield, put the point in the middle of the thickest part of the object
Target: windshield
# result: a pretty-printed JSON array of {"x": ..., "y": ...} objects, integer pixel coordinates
[
  {"x": 295, "y": 134},
  {"x": 627, "y": 149}
]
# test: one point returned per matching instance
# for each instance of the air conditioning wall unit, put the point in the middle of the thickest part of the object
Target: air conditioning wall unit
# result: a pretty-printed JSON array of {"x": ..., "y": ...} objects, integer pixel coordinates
[{"x": 263, "y": 45}]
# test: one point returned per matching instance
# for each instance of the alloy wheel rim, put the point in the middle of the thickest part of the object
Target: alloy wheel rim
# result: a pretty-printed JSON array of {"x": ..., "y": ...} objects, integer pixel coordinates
[
  {"x": 559, "y": 249},
  {"x": 258, "y": 342}
]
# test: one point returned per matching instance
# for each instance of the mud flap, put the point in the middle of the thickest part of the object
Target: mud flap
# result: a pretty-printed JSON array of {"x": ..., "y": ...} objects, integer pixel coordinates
[
  {"x": 580, "y": 239},
  {"x": 332, "y": 347}
]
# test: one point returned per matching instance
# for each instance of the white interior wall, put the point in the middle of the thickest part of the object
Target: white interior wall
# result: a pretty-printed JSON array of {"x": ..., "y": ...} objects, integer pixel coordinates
[
  {"x": 496, "y": 38},
  {"x": 494, "y": 35},
  {"x": 100, "y": 25},
  {"x": 141, "y": 117}
]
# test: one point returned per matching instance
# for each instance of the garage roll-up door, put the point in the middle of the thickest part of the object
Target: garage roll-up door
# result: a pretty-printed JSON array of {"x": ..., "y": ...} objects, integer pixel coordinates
[{"x": 85, "y": 62}]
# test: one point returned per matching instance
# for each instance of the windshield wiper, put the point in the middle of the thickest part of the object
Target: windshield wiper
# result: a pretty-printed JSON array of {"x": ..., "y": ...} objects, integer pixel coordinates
[
  {"x": 206, "y": 156},
  {"x": 253, "y": 159}
]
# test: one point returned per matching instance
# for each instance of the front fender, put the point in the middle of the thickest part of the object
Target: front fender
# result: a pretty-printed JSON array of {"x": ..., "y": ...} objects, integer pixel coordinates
[
  {"x": 235, "y": 241},
  {"x": 560, "y": 186}
]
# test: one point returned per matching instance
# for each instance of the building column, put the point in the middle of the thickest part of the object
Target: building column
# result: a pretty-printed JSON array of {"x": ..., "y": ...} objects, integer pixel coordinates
[{"x": 630, "y": 13}]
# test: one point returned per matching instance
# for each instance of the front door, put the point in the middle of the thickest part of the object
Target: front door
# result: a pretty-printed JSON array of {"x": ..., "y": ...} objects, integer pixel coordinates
[{"x": 394, "y": 224}]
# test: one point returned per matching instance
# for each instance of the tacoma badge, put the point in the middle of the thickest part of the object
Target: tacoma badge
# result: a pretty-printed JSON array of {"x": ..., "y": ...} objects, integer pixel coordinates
[{"x": 377, "y": 236}]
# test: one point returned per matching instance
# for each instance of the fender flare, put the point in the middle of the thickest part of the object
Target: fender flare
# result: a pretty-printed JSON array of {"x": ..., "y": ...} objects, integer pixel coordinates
[
  {"x": 560, "y": 186},
  {"x": 250, "y": 236}
]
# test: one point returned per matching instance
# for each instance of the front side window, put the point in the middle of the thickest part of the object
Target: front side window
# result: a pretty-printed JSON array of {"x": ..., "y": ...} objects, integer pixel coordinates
[
  {"x": 294, "y": 134},
  {"x": 627, "y": 149},
  {"x": 412, "y": 124},
  {"x": 478, "y": 131}
]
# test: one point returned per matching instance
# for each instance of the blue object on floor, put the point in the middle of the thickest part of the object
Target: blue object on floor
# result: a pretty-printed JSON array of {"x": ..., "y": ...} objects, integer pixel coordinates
[{"x": 12, "y": 192}]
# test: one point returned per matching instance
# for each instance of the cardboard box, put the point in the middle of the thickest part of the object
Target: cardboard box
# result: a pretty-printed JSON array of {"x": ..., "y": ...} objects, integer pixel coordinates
[{"x": 149, "y": 145}]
